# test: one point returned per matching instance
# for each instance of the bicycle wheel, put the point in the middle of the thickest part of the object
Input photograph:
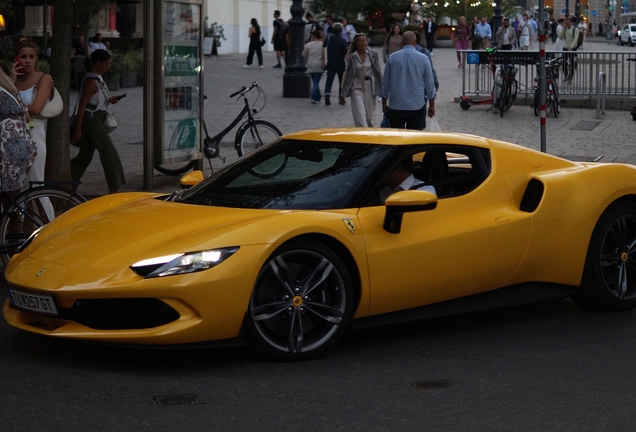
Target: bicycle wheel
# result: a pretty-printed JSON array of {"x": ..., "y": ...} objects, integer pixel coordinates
[
  {"x": 556, "y": 102},
  {"x": 255, "y": 136},
  {"x": 504, "y": 97},
  {"x": 536, "y": 102},
  {"x": 181, "y": 142},
  {"x": 29, "y": 211}
]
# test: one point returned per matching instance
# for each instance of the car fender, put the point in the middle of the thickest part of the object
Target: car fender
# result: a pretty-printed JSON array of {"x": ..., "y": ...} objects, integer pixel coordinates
[{"x": 572, "y": 203}]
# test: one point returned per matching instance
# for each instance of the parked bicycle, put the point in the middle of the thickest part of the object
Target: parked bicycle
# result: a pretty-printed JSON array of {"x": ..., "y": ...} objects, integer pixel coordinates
[
  {"x": 250, "y": 135},
  {"x": 31, "y": 209},
  {"x": 553, "y": 103},
  {"x": 508, "y": 87},
  {"x": 504, "y": 88}
]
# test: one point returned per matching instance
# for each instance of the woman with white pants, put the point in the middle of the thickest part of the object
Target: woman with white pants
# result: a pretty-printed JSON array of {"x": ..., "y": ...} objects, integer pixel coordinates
[{"x": 362, "y": 81}]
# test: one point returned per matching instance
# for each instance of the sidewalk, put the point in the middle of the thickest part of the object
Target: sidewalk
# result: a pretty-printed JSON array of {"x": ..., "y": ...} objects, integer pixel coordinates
[{"x": 575, "y": 134}]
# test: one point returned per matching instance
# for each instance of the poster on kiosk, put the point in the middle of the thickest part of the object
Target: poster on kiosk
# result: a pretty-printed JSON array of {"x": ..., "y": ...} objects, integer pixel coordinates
[{"x": 182, "y": 82}]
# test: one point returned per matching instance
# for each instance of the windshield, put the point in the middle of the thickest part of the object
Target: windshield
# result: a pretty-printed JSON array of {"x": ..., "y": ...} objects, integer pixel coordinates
[{"x": 293, "y": 174}]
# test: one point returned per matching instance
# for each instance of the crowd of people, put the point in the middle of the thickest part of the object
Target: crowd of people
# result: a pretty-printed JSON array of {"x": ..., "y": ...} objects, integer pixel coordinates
[
  {"x": 336, "y": 50},
  {"x": 26, "y": 102}
]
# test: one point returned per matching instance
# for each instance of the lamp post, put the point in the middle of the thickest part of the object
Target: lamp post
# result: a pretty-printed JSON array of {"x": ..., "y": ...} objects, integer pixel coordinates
[
  {"x": 496, "y": 21},
  {"x": 296, "y": 82}
]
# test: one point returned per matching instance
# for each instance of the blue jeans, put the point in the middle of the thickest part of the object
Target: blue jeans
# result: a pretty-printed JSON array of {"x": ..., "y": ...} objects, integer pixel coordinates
[
  {"x": 330, "y": 76},
  {"x": 315, "y": 90}
]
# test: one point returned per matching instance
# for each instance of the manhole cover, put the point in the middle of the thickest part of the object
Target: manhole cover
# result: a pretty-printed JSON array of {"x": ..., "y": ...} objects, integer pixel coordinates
[
  {"x": 431, "y": 384},
  {"x": 586, "y": 125},
  {"x": 575, "y": 158},
  {"x": 183, "y": 399}
]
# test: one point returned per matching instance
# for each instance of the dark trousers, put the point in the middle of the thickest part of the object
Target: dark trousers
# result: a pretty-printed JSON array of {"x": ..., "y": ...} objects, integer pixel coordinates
[
  {"x": 569, "y": 64},
  {"x": 430, "y": 41},
  {"x": 506, "y": 47},
  {"x": 331, "y": 74},
  {"x": 405, "y": 119},
  {"x": 250, "y": 55}
]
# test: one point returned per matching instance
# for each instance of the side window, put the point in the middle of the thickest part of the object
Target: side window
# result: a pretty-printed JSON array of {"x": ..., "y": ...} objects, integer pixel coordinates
[{"x": 453, "y": 170}]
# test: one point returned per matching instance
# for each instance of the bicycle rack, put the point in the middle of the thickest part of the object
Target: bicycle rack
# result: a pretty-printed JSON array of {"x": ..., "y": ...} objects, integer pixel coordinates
[{"x": 601, "y": 91}]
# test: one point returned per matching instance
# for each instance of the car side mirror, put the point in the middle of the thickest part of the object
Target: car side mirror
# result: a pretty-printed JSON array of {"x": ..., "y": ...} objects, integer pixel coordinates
[
  {"x": 406, "y": 202},
  {"x": 191, "y": 179}
]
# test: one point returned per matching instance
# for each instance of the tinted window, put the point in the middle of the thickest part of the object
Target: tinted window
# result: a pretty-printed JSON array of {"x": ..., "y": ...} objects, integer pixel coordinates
[{"x": 292, "y": 175}]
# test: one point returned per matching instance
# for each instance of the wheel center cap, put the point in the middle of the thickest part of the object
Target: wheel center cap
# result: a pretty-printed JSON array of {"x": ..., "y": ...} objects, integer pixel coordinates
[
  {"x": 297, "y": 301},
  {"x": 624, "y": 256}
]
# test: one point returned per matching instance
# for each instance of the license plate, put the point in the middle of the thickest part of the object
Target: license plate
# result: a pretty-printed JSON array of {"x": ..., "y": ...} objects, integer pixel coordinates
[{"x": 32, "y": 302}]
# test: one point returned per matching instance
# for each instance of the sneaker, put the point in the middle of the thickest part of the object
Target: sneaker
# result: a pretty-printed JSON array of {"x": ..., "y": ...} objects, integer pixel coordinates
[
  {"x": 278, "y": 66},
  {"x": 260, "y": 67},
  {"x": 327, "y": 101},
  {"x": 313, "y": 101},
  {"x": 247, "y": 66}
]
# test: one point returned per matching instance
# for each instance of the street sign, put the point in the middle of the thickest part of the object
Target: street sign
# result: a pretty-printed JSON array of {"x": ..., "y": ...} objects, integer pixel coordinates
[
  {"x": 594, "y": 13},
  {"x": 585, "y": 12}
]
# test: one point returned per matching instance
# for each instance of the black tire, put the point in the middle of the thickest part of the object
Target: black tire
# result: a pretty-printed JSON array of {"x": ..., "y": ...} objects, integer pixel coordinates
[
  {"x": 556, "y": 100},
  {"x": 609, "y": 278},
  {"x": 505, "y": 100},
  {"x": 536, "y": 103},
  {"x": 176, "y": 168},
  {"x": 464, "y": 104},
  {"x": 620, "y": 41},
  {"x": 302, "y": 302},
  {"x": 183, "y": 138},
  {"x": 255, "y": 136},
  {"x": 17, "y": 223}
]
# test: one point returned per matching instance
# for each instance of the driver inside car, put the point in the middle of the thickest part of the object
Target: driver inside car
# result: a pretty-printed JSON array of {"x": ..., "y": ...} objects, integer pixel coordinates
[{"x": 401, "y": 178}]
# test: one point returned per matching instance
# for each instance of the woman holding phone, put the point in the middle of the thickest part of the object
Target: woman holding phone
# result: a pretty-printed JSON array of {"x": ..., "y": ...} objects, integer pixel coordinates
[
  {"x": 36, "y": 88},
  {"x": 90, "y": 132}
]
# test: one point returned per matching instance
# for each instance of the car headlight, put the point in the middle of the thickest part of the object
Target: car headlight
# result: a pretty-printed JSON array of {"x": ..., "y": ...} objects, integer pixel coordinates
[{"x": 182, "y": 263}]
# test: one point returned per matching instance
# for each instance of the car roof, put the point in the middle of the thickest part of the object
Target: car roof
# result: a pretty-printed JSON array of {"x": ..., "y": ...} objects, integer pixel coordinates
[{"x": 387, "y": 136}]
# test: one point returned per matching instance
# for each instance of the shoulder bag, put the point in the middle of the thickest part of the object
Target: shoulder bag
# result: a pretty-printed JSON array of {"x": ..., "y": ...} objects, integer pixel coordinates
[{"x": 53, "y": 107}]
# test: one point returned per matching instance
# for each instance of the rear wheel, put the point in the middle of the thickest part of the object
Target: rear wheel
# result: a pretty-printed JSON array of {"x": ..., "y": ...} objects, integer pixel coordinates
[
  {"x": 535, "y": 103},
  {"x": 464, "y": 104},
  {"x": 609, "y": 278},
  {"x": 33, "y": 208},
  {"x": 302, "y": 302}
]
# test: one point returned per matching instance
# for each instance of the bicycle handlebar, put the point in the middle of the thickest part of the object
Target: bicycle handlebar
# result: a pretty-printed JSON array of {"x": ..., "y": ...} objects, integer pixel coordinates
[{"x": 244, "y": 89}]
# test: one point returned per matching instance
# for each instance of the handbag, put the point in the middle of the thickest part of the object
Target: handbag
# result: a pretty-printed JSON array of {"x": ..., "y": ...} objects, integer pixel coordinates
[
  {"x": 262, "y": 41},
  {"x": 385, "y": 121},
  {"x": 110, "y": 122},
  {"x": 53, "y": 107}
]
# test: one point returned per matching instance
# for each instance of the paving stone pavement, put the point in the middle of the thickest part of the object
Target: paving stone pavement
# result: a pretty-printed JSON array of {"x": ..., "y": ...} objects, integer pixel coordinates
[{"x": 611, "y": 140}]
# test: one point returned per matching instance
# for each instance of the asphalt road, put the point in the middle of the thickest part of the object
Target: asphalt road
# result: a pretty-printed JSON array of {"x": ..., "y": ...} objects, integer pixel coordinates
[{"x": 551, "y": 366}]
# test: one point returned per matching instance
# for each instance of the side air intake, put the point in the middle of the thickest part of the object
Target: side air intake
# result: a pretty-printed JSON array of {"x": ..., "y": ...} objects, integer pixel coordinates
[{"x": 532, "y": 196}]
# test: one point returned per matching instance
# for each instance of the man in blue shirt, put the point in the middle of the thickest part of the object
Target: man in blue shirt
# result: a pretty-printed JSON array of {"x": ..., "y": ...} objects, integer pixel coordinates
[
  {"x": 406, "y": 85},
  {"x": 484, "y": 32}
]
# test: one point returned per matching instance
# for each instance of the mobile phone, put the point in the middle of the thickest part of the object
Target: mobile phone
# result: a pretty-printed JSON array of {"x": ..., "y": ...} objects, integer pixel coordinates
[
  {"x": 20, "y": 68},
  {"x": 120, "y": 97}
]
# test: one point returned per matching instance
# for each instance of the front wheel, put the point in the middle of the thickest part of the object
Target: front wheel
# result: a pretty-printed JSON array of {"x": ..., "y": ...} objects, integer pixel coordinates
[
  {"x": 302, "y": 302},
  {"x": 29, "y": 211},
  {"x": 609, "y": 278},
  {"x": 256, "y": 135},
  {"x": 535, "y": 103},
  {"x": 464, "y": 104}
]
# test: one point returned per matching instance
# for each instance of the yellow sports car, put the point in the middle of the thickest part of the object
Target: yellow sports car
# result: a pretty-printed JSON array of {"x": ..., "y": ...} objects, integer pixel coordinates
[{"x": 291, "y": 245}]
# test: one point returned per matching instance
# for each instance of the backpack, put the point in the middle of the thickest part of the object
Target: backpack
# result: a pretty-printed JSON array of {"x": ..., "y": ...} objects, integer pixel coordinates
[
  {"x": 282, "y": 26},
  {"x": 579, "y": 42},
  {"x": 309, "y": 29}
]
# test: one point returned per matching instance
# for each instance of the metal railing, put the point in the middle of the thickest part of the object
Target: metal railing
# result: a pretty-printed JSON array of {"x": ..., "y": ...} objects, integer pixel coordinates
[
  {"x": 619, "y": 69},
  {"x": 601, "y": 90}
]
